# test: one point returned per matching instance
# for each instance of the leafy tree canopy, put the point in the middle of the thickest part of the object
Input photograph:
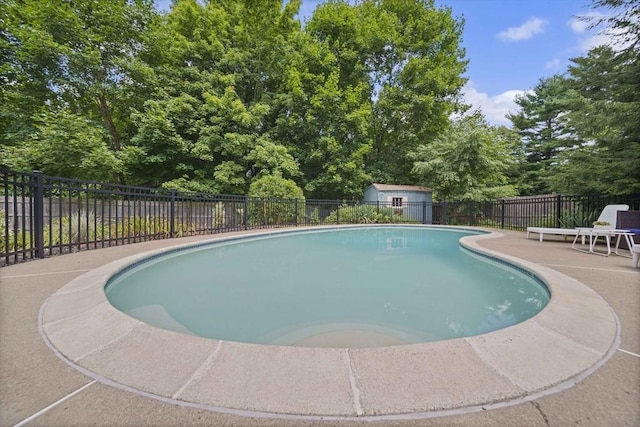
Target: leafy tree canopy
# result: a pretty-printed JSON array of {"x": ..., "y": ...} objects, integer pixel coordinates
[
  {"x": 64, "y": 144},
  {"x": 275, "y": 186},
  {"x": 79, "y": 56},
  {"x": 216, "y": 96},
  {"x": 469, "y": 161}
]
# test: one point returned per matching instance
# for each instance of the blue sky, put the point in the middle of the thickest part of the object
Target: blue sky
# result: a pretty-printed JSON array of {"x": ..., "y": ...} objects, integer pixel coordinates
[{"x": 510, "y": 45}]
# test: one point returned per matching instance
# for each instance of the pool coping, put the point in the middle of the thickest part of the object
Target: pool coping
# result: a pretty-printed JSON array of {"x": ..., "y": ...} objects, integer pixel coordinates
[{"x": 569, "y": 339}]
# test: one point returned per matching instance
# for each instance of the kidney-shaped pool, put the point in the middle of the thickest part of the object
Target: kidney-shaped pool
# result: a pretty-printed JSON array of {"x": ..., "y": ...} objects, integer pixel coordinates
[{"x": 347, "y": 287}]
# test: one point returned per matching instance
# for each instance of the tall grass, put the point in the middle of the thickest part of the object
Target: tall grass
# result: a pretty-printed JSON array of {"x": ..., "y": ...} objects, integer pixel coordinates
[
  {"x": 3, "y": 235},
  {"x": 83, "y": 227}
]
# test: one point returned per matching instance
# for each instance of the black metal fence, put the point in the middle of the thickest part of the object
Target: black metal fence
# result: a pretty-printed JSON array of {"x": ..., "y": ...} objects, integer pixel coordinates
[{"x": 41, "y": 215}]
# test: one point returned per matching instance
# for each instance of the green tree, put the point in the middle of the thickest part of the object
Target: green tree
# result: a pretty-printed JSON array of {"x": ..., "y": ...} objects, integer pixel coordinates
[
  {"x": 544, "y": 131},
  {"x": 605, "y": 91},
  {"x": 64, "y": 144},
  {"x": 517, "y": 168},
  {"x": 468, "y": 162},
  {"x": 268, "y": 157},
  {"x": 326, "y": 107},
  {"x": 417, "y": 64},
  {"x": 585, "y": 126},
  {"x": 218, "y": 71},
  {"x": 383, "y": 77},
  {"x": 275, "y": 186},
  {"x": 74, "y": 55},
  {"x": 213, "y": 96},
  {"x": 333, "y": 153},
  {"x": 276, "y": 200},
  {"x": 624, "y": 21}
]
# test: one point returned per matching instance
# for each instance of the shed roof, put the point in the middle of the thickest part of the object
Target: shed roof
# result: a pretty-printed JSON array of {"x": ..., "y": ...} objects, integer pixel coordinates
[{"x": 391, "y": 187}]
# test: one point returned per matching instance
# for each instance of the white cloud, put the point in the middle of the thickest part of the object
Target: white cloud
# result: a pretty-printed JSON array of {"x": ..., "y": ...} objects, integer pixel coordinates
[
  {"x": 577, "y": 26},
  {"x": 580, "y": 23},
  {"x": 608, "y": 36},
  {"x": 553, "y": 64},
  {"x": 587, "y": 43},
  {"x": 495, "y": 108},
  {"x": 588, "y": 38},
  {"x": 525, "y": 31}
]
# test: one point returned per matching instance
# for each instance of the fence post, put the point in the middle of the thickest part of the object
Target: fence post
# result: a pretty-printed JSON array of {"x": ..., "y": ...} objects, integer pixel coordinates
[
  {"x": 172, "y": 213},
  {"x": 558, "y": 209},
  {"x": 503, "y": 204},
  {"x": 245, "y": 215},
  {"x": 444, "y": 213},
  {"x": 338, "y": 212},
  {"x": 296, "y": 214},
  {"x": 38, "y": 213},
  {"x": 424, "y": 212}
]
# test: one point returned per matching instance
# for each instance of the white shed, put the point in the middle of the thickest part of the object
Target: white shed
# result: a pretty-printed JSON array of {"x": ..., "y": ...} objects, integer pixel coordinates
[{"x": 415, "y": 201}]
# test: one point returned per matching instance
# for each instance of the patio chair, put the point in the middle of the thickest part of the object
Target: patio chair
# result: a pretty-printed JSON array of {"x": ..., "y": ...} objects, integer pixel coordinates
[
  {"x": 629, "y": 220},
  {"x": 609, "y": 214}
]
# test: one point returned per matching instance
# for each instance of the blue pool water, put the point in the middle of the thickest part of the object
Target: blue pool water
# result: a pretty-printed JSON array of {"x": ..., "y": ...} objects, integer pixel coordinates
[{"x": 340, "y": 287}]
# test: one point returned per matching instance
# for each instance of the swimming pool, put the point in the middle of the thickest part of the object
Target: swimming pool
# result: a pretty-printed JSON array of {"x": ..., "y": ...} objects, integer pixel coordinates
[
  {"x": 569, "y": 339},
  {"x": 346, "y": 287}
]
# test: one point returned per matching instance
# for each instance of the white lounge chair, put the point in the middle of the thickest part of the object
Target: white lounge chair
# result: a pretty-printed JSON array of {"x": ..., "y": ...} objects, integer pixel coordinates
[
  {"x": 635, "y": 255},
  {"x": 609, "y": 214}
]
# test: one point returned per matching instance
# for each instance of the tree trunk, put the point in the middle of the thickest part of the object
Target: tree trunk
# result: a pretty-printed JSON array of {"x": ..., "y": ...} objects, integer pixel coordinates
[
  {"x": 108, "y": 121},
  {"x": 105, "y": 111}
]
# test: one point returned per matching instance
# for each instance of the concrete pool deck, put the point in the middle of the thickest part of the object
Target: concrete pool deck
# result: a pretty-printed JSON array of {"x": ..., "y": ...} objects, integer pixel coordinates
[{"x": 324, "y": 383}]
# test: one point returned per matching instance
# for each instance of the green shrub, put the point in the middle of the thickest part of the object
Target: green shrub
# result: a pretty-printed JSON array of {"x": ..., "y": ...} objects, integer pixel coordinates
[
  {"x": 361, "y": 214},
  {"x": 148, "y": 226},
  {"x": 274, "y": 201},
  {"x": 226, "y": 215},
  {"x": 313, "y": 217},
  {"x": 576, "y": 218},
  {"x": 15, "y": 241}
]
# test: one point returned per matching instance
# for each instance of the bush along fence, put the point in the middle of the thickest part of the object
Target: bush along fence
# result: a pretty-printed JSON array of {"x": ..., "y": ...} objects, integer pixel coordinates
[{"x": 42, "y": 215}]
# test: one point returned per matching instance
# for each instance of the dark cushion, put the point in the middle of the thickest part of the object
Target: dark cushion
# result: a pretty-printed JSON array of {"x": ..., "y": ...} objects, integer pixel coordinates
[{"x": 629, "y": 220}]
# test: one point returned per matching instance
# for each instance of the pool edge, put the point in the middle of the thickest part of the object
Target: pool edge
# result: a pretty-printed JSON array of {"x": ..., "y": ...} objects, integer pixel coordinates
[{"x": 364, "y": 388}]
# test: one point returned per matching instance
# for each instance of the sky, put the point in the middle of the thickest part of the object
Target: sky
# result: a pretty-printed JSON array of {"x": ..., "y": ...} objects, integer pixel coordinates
[{"x": 510, "y": 45}]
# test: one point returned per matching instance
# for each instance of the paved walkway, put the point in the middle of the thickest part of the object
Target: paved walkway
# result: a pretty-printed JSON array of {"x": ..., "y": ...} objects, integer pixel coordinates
[{"x": 37, "y": 388}]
